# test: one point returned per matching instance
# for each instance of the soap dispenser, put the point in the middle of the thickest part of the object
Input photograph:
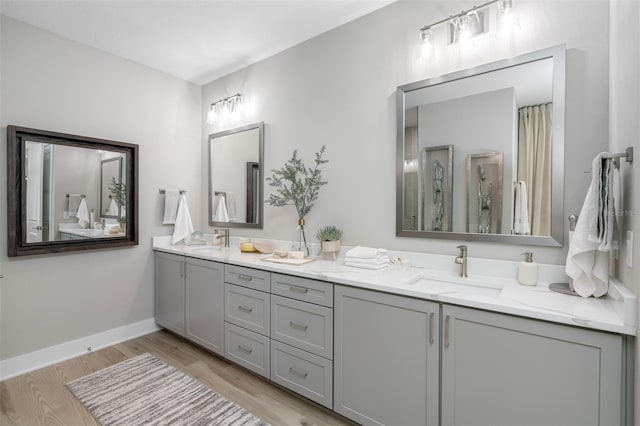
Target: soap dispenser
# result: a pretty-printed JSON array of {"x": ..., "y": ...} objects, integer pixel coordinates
[{"x": 528, "y": 270}]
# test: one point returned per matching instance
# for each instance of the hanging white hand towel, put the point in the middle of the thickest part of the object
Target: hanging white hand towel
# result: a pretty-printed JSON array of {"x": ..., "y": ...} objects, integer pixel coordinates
[
  {"x": 586, "y": 264},
  {"x": 113, "y": 208},
  {"x": 230, "y": 202},
  {"x": 222, "y": 215},
  {"x": 83, "y": 214},
  {"x": 521, "y": 214},
  {"x": 183, "y": 227},
  {"x": 171, "y": 200}
]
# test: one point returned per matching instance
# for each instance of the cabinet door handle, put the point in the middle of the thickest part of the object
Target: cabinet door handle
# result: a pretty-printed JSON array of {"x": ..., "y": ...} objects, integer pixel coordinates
[
  {"x": 294, "y": 324},
  {"x": 446, "y": 331},
  {"x": 431, "y": 328},
  {"x": 244, "y": 348},
  {"x": 244, "y": 277},
  {"x": 296, "y": 289},
  {"x": 245, "y": 308},
  {"x": 297, "y": 372}
]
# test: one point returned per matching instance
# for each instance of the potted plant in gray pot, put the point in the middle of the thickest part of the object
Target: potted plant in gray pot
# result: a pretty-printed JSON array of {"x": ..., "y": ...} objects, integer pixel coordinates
[{"x": 329, "y": 237}]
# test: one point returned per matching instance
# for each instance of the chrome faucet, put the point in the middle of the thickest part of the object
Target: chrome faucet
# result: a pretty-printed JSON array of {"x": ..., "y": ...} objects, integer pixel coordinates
[
  {"x": 462, "y": 260},
  {"x": 224, "y": 235}
]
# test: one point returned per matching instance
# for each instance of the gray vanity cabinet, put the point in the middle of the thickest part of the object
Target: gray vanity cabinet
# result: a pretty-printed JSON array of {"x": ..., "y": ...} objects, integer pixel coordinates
[
  {"x": 169, "y": 297},
  {"x": 500, "y": 369},
  {"x": 386, "y": 364},
  {"x": 205, "y": 303},
  {"x": 190, "y": 299}
]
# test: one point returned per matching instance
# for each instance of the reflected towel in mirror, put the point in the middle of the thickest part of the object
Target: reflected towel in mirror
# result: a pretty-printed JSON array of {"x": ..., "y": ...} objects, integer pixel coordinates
[
  {"x": 521, "y": 214},
  {"x": 73, "y": 202},
  {"x": 113, "y": 208},
  {"x": 222, "y": 214},
  {"x": 230, "y": 202},
  {"x": 171, "y": 200},
  {"x": 83, "y": 214},
  {"x": 183, "y": 226}
]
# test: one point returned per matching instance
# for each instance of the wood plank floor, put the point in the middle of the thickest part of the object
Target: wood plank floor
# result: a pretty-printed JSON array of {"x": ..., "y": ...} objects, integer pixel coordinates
[{"x": 41, "y": 398}]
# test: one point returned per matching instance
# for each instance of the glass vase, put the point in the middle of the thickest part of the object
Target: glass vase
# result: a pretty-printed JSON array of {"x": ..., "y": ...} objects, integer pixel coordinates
[{"x": 302, "y": 246}]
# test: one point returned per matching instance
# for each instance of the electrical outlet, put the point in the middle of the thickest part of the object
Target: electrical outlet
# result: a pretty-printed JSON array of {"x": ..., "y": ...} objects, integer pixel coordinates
[{"x": 629, "y": 251}]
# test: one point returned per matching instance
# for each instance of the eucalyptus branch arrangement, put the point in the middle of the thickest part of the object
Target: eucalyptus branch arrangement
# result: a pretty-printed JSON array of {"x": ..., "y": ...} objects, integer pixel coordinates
[
  {"x": 298, "y": 185},
  {"x": 119, "y": 191}
]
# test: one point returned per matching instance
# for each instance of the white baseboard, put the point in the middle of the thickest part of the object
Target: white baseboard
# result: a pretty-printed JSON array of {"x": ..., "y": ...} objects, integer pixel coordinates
[{"x": 44, "y": 357}]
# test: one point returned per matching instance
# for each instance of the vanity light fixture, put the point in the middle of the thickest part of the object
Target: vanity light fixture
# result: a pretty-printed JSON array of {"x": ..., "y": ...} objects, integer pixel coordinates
[
  {"x": 464, "y": 25},
  {"x": 224, "y": 108}
]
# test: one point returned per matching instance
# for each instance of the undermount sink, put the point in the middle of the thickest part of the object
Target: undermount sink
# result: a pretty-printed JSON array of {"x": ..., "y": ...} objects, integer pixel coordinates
[{"x": 460, "y": 286}]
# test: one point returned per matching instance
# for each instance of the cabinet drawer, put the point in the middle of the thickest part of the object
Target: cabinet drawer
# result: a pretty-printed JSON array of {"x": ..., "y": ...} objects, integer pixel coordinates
[
  {"x": 304, "y": 289},
  {"x": 307, "y": 374},
  {"x": 247, "y": 308},
  {"x": 247, "y": 277},
  {"x": 247, "y": 348},
  {"x": 302, "y": 325}
]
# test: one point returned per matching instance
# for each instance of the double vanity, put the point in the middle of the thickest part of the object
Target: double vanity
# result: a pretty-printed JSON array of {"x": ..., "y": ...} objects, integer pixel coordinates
[{"x": 408, "y": 344}]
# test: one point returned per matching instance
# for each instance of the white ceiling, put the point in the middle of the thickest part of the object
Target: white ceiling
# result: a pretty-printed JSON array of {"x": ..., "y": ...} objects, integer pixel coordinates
[{"x": 197, "y": 41}]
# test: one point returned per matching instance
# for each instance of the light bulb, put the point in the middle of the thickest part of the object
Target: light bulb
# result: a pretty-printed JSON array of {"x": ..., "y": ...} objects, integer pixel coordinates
[
  {"x": 465, "y": 29},
  {"x": 211, "y": 116},
  {"x": 427, "y": 46}
]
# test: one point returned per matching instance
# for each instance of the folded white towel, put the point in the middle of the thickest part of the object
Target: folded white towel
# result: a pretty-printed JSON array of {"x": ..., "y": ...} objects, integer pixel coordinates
[
  {"x": 183, "y": 226},
  {"x": 521, "y": 213},
  {"x": 113, "y": 208},
  {"x": 365, "y": 265},
  {"x": 222, "y": 214},
  {"x": 369, "y": 260},
  {"x": 587, "y": 262},
  {"x": 365, "y": 252},
  {"x": 83, "y": 214},
  {"x": 171, "y": 200}
]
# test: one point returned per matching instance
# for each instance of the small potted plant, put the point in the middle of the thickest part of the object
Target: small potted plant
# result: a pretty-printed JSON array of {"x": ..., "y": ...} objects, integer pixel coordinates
[{"x": 329, "y": 237}]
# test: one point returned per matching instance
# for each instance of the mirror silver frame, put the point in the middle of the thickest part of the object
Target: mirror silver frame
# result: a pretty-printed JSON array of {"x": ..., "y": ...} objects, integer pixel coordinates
[
  {"x": 557, "y": 174},
  {"x": 260, "y": 199}
]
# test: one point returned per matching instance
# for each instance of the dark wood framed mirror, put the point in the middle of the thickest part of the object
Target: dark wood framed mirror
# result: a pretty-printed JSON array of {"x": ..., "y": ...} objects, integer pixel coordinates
[{"x": 55, "y": 190}]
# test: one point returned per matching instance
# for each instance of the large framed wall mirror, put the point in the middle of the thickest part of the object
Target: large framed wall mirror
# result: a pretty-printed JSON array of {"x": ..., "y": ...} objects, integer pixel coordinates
[
  {"x": 68, "y": 192},
  {"x": 236, "y": 176},
  {"x": 480, "y": 153}
]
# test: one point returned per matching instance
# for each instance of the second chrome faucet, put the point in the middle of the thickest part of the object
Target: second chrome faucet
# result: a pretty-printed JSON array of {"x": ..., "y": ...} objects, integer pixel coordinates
[{"x": 461, "y": 260}]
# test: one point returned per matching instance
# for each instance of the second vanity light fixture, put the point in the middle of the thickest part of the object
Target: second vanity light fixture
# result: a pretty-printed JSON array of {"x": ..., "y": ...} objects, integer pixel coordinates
[
  {"x": 466, "y": 24},
  {"x": 224, "y": 108}
]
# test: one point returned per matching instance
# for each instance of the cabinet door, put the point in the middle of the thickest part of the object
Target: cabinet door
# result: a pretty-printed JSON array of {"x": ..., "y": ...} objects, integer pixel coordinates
[
  {"x": 386, "y": 358},
  {"x": 205, "y": 304},
  {"x": 504, "y": 370},
  {"x": 170, "y": 291}
]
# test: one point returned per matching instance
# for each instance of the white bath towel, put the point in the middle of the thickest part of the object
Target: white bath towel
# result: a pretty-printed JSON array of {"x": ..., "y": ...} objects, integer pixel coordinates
[
  {"x": 113, "y": 208},
  {"x": 521, "y": 213},
  {"x": 588, "y": 256},
  {"x": 365, "y": 265},
  {"x": 365, "y": 252},
  {"x": 183, "y": 227},
  {"x": 222, "y": 214},
  {"x": 381, "y": 258},
  {"x": 83, "y": 214},
  {"x": 171, "y": 200}
]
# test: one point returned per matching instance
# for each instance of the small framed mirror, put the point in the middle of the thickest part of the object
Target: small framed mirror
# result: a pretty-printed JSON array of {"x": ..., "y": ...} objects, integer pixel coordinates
[
  {"x": 68, "y": 192},
  {"x": 235, "y": 177}
]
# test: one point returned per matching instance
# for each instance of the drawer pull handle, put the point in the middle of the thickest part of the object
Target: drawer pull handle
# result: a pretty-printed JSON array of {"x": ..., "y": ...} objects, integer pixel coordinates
[
  {"x": 297, "y": 372},
  {"x": 244, "y": 277},
  {"x": 296, "y": 289},
  {"x": 245, "y": 308},
  {"x": 298, "y": 325},
  {"x": 244, "y": 348}
]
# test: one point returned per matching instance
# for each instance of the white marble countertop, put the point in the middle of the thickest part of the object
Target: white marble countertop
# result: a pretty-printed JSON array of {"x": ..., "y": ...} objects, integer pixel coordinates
[{"x": 491, "y": 284}]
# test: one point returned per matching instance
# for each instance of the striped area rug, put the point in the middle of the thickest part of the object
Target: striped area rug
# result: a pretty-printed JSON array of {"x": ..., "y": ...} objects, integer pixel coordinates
[{"x": 145, "y": 390}]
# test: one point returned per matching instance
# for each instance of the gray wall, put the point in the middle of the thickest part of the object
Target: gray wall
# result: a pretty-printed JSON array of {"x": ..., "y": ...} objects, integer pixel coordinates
[
  {"x": 624, "y": 131},
  {"x": 339, "y": 88},
  {"x": 48, "y": 82}
]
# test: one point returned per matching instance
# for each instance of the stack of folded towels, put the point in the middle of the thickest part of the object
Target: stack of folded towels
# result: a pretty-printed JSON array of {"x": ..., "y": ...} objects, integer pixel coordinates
[{"x": 367, "y": 257}]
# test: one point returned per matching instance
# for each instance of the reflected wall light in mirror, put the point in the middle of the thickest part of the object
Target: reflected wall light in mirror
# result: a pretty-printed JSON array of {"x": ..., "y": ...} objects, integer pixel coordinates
[
  {"x": 485, "y": 115},
  {"x": 236, "y": 177},
  {"x": 55, "y": 185}
]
